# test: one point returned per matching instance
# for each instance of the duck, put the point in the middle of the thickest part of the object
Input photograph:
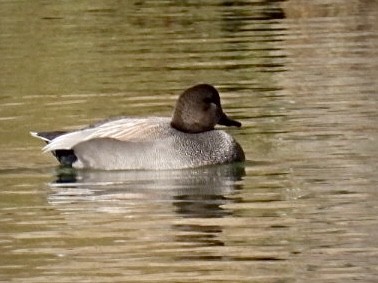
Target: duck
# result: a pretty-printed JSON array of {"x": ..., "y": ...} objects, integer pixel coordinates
[{"x": 188, "y": 139}]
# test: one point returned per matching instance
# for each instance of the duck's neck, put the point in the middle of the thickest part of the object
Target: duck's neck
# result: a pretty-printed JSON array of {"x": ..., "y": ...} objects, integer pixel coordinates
[{"x": 190, "y": 128}]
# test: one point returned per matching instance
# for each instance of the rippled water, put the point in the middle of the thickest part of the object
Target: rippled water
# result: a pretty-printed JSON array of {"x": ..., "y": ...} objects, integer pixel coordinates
[{"x": 302, "y": 78}]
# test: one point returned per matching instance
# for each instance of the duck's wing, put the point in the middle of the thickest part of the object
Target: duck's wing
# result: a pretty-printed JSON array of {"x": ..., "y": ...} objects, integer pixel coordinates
[{"x": 126, "y": 129}]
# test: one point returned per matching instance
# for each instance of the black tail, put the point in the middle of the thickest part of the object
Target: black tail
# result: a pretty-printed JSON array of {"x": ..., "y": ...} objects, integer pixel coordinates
[{"x": 65, "y": 156}]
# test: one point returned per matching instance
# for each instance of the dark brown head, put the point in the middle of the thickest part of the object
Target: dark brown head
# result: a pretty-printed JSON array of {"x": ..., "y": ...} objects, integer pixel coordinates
[{"x": 199, "y": 109}]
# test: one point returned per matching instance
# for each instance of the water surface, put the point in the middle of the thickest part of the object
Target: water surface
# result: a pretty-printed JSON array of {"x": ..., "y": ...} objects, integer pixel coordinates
[{"x": 300, "y": 76}]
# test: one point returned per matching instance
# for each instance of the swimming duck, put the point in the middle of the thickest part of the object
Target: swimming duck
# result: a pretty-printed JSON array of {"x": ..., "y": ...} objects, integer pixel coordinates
[{"x": 186, "y": 140}]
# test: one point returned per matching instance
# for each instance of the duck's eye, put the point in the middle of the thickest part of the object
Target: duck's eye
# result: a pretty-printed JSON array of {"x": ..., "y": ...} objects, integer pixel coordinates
[{"x": 207, "y": 100}]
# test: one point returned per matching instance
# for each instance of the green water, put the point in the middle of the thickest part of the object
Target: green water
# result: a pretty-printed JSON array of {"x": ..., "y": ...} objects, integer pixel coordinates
[{"x": 300, "y": 76}]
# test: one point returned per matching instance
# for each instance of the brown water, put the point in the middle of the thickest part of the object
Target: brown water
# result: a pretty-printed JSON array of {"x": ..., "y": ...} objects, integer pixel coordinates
[{"x": 300, "y": 75}]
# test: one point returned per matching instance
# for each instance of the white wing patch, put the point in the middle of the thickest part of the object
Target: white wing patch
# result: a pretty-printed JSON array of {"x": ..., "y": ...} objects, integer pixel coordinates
[{"x": 126, "y": 129}]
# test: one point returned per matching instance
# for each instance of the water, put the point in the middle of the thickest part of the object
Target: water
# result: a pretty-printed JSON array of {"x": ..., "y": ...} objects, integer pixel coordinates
[{"x": 300, "y": 76}]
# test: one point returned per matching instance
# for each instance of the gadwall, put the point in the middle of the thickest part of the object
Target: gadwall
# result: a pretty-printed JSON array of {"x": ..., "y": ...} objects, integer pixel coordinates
[{"x": 186, "y": 140}]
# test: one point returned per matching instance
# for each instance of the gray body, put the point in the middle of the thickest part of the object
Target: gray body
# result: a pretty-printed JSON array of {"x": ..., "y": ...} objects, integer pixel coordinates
[
  {"x": 162, "y": 148},
  {"x": 186, "y": 140}
]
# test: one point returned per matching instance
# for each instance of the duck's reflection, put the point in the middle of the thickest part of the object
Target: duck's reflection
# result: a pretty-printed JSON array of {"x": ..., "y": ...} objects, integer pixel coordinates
[
  {"x": 206, "y": 181},
  {"x": 201, "y": 206},
  {"x": 190, "y": 198}
]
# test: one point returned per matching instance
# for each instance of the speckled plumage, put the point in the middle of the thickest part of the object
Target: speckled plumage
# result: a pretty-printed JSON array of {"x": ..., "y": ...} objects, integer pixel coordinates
[
  {"x": 152, "y": 142},
  {"x": 162, "y": 148}
]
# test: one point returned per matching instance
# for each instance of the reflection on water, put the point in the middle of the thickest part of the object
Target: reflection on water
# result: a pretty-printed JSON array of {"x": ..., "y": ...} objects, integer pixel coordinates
[
  {"x": 301, "y": 77},
  {"x": 193, "y": 194}
]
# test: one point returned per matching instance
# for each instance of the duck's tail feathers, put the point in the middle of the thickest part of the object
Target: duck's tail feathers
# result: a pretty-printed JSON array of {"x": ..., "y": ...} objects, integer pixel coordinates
[
  {"x": 47, "y": 136},
  {"x": 65, "y": 157}
]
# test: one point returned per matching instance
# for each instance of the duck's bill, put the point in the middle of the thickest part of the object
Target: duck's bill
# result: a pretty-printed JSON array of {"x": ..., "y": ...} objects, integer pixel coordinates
[{"x": 226, "y": 121}]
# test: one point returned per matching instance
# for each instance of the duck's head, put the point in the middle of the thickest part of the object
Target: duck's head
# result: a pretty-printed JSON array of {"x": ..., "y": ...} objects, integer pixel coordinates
[{"x": 198, "y": 109}]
